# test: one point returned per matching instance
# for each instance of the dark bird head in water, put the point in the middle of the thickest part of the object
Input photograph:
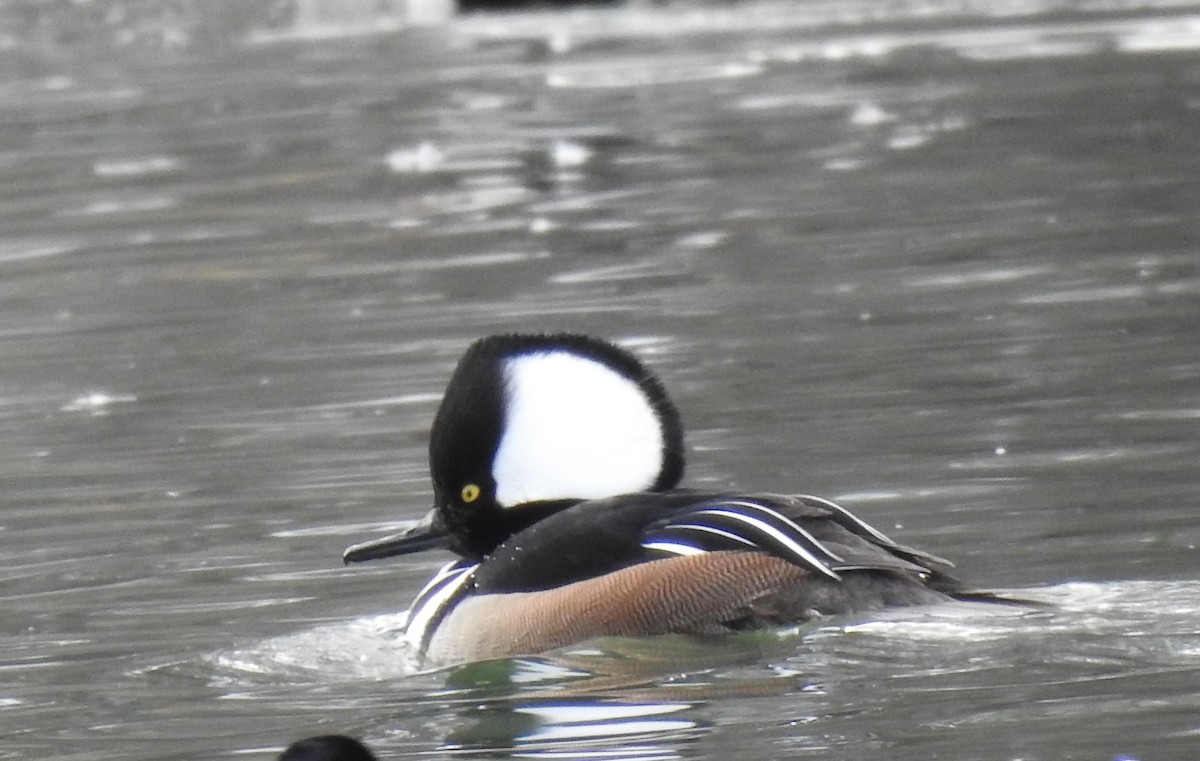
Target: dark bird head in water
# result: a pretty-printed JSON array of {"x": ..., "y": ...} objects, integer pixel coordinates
[{"x": 327, "y": 748}]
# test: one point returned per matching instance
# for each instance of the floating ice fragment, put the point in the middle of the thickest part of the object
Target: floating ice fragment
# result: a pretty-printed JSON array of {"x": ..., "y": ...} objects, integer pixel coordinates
[
  {"x": 568, "y": 153},
  {"x": 97, "y": 402},
  {"x": 907, "y": 137},
  {"x": 868, "y": 114},
  {"x": 135, "y": 166},
  {"x": 425, "y": 157}
]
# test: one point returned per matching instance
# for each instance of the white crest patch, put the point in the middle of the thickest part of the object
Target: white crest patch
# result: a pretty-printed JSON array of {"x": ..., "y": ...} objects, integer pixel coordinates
[{"x": 573, "y": 428}]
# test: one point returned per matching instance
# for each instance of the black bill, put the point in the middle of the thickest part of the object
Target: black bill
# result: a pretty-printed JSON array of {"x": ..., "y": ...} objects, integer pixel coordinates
[{"x": 423, "y": 536}]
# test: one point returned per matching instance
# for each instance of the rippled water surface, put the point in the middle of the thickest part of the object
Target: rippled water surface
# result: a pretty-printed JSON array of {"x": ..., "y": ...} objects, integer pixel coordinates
[{"x": 943, "y": 269}]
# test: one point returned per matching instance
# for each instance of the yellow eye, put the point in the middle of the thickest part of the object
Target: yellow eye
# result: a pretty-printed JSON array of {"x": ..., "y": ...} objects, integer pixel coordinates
[{"x": 469, "y": 493}]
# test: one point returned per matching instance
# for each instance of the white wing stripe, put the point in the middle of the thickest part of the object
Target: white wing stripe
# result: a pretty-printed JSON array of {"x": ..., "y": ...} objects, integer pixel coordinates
[
  {"x": 675, "y": 548},
  {"x": 711, "y": 530},
  {"x": 791, "y": 524},
  {"x": 844, "y": 513},
  {"x": 445, "y": 585},
  {"x": 793, "y": 546}
]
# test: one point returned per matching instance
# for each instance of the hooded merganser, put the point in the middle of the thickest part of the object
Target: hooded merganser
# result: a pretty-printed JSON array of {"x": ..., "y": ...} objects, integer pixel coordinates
[
  {"x": 555, "y": 461},
  {"x": 326, "y": 748}
]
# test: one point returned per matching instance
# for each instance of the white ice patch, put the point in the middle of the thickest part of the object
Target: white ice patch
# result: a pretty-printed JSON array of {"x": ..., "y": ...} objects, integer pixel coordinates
[{"x": 574, "y": 428}]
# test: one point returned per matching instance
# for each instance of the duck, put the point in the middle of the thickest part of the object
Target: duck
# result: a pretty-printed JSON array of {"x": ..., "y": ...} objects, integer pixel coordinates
[
  {"x": 556, "y": 461},
  {"x": 326, "y": 748}
]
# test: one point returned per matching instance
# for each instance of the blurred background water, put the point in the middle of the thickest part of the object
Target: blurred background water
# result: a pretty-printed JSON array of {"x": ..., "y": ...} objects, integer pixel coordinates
[{"x": 938, "y": 261}]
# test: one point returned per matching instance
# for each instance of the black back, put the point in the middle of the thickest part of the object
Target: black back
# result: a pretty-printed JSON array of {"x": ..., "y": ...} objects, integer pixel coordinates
[{"x": 601, "y": 536}]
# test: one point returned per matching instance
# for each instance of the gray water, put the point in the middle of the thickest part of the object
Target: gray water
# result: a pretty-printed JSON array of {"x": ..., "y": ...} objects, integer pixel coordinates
[{"x": 942, "y": 268}]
